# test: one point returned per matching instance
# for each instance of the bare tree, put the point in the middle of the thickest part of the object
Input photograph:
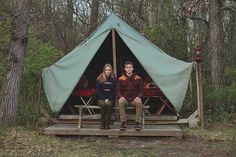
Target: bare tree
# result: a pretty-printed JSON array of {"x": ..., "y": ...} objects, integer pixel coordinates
[
  {"x": 94, "y": 16},
  {"x": 11, "y": 82}
]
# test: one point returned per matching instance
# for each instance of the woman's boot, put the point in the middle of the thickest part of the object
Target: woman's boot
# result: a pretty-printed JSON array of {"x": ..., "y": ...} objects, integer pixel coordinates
[
  {"x": 103, "y": 120},
  {"x": 108, "y": 116}
]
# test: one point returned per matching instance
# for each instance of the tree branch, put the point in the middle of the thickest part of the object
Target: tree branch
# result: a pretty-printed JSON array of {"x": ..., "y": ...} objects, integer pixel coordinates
[
  {"x": 229, "y": 8},
  {"x": 200, "y": 19}
]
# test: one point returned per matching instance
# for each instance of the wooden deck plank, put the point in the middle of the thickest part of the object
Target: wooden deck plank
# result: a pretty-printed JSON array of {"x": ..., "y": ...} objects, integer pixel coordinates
[
  {"x": 129, "y": 117},
  {"x": 97, "y": 121},
  {"x": 92, "y": 130}
]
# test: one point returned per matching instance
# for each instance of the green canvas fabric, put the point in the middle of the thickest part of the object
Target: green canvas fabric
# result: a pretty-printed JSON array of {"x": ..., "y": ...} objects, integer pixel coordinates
[{"x": 171, "y": 75}]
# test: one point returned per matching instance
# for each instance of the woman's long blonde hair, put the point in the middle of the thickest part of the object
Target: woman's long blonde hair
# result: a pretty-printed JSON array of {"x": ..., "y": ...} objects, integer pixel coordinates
[{"x": 102, "y": 77}]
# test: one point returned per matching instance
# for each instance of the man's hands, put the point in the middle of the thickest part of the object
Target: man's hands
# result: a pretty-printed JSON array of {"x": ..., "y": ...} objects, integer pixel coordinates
[
  {"x": 122, "y": 98},
  {"x": 137, "y": 99}
]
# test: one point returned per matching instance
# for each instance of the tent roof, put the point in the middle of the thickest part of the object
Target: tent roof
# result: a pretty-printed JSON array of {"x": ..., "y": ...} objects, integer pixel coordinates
[{"x": 171, "y": 75}]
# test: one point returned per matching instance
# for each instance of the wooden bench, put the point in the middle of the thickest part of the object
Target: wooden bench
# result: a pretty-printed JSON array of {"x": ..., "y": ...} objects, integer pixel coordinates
[{"x": 81, "y": 107}]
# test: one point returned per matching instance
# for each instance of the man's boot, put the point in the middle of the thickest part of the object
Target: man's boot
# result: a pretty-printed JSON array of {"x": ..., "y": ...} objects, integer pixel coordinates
[
  {"x": 123, "y": 126},
  {"x": 137, "y": 127},
  {"x": 102, "y": 126},
  {"x": 107, "y": 126}
]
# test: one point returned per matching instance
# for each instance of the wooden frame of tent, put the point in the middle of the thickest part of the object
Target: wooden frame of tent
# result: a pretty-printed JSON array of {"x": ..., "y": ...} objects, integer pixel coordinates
[{"x": 67, "y": 124}]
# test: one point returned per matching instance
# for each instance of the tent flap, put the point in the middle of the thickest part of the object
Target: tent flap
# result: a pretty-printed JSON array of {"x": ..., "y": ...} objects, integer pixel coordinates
[
  {"x": 171, "y": 75},
  {"x": 60, "y": 79}
]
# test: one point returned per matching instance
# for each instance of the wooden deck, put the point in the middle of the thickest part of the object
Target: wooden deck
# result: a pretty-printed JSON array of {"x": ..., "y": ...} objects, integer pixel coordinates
[{"x": 93, "y": 130}]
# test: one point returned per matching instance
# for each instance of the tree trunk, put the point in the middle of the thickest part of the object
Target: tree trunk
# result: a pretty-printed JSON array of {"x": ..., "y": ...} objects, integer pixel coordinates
[
  {"x": 216, "y": 46},
  {"x": 70, "y": 12},
  {"x": 10, "y": 89},
  {"x": 127, "y": 11},
  {"x": 69, "y": 38},
  {"x": 152, "y": 13},
  {"x": 94, "y": 16}
]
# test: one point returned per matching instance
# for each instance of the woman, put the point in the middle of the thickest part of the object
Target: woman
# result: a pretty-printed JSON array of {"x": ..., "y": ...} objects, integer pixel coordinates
[{"x": 105, "y": 93}]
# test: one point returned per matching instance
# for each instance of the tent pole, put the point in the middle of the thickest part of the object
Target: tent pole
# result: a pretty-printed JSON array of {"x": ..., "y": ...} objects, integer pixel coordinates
[
  {"x": 114, "y": 66},
  {"x": 114, "y": 51}
]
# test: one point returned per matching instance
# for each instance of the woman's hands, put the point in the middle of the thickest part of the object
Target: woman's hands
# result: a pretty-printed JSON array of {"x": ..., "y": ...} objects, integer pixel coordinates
[{"x": 106, "y": 101}]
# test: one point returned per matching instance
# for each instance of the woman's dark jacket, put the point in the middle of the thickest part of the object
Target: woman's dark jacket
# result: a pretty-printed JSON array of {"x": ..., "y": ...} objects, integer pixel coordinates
[{"x": 106, "y": 90}]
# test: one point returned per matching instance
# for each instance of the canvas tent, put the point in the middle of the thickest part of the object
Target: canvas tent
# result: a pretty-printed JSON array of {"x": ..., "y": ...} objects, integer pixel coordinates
[{"x": 171, "y": 75}]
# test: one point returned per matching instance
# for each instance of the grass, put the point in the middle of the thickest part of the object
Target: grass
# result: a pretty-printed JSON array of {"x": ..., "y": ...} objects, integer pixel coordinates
[
  {"x": 217, "y": 140},
  {"x": 222, "y": 132}
]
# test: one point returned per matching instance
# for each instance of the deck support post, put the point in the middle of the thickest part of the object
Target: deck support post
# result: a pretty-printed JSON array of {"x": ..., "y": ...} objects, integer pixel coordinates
[{"x": 198, "y": 59}]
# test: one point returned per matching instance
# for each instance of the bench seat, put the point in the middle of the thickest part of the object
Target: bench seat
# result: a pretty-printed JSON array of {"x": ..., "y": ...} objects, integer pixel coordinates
[{"x": 81, "y": 107}]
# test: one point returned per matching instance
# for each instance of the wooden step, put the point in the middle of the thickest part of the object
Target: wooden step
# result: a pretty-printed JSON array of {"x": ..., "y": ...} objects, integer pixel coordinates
[{"x": 92, "y": 130}]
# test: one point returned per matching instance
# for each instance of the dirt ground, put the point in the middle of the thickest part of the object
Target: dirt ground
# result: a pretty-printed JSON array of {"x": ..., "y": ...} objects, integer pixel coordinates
[{"x": 211, "y": 142}]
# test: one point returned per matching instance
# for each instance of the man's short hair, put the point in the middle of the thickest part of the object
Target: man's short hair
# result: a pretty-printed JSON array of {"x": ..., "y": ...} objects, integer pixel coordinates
[{"x": 128, "y": 62}]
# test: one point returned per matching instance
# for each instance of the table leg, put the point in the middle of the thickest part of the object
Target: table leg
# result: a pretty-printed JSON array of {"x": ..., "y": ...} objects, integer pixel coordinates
[
  {"x": 162, "y": 107},
  {"x": 88, "y": 103},
  {"x": 145, "y": 102}
]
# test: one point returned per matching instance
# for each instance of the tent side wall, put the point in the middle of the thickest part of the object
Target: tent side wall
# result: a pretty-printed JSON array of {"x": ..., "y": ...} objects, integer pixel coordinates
[{"x": 60, "y": 79}]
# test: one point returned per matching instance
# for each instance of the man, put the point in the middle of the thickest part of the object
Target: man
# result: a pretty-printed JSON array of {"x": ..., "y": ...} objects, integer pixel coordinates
[{"x": 129, "y": 90}]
